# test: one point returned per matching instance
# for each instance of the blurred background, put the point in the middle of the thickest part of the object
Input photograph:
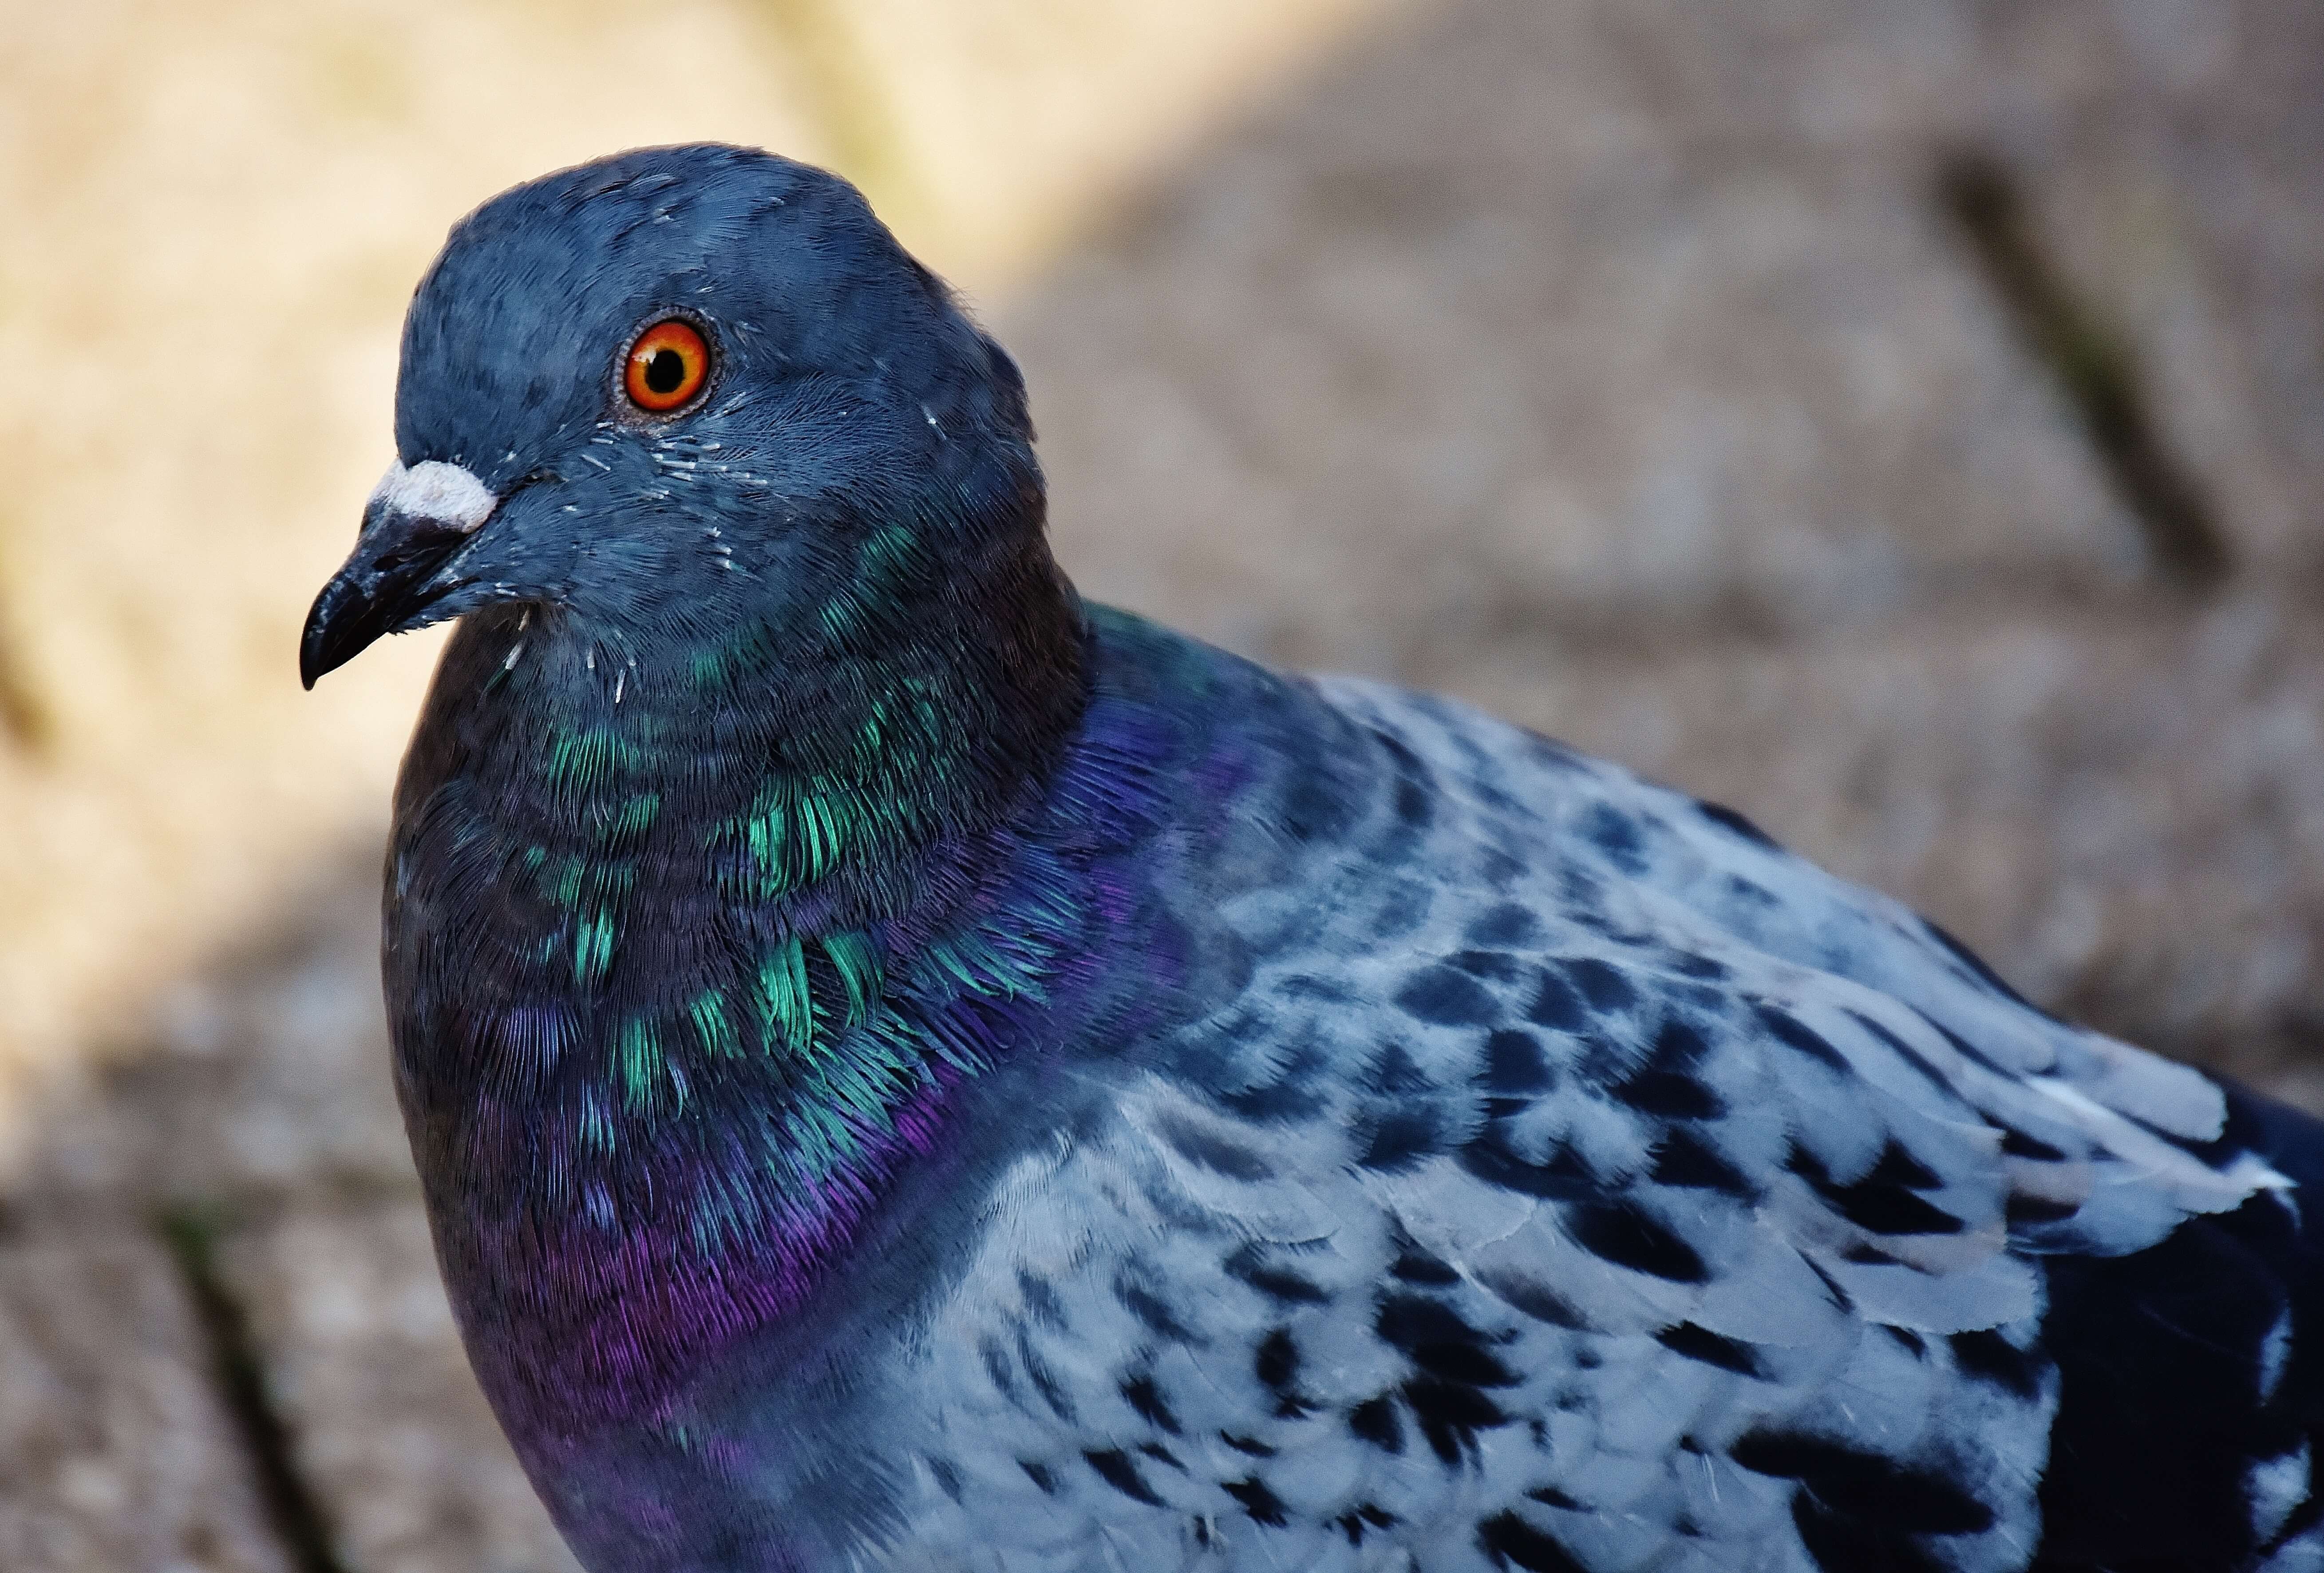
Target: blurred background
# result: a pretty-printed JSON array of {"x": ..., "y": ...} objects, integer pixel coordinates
[{"x": 1902, "y": 420}]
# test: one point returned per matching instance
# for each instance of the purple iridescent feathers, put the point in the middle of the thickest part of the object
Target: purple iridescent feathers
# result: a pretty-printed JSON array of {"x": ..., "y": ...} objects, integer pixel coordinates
[{"x": 678, "y": 1174}]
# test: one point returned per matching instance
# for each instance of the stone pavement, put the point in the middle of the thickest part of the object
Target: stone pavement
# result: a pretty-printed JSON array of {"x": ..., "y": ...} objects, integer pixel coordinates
[{"x": 1770, "y": 396}]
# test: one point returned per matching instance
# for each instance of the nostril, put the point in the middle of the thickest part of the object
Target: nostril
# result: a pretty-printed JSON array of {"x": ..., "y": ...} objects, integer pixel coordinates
[{"x": 421, "y": 539}]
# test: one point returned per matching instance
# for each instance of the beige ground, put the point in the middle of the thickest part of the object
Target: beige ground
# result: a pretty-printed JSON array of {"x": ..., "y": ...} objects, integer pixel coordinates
[{"x": 1613, "y": 363}]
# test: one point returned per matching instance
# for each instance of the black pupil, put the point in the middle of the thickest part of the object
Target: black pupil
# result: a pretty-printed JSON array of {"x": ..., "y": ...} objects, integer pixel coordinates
[{"x": 665, "y": 371}]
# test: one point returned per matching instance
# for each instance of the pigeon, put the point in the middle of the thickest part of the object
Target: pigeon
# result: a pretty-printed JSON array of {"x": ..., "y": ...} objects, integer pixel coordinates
[{"x": 912, "y": 1071}]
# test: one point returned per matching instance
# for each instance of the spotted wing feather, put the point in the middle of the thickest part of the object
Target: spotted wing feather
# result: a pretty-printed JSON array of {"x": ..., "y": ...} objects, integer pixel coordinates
[{"x": 1577, "y": 1182}]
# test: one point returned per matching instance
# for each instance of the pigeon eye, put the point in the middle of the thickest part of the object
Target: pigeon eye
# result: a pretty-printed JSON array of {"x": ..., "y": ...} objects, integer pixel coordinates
[{"x": 667, "y": 366}]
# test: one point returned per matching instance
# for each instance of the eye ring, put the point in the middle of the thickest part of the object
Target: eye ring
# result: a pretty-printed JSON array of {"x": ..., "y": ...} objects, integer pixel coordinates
[{"x": 667, "y": 367}]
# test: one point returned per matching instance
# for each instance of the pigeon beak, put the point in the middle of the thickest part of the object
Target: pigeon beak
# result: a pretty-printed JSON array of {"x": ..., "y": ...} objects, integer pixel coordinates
[{"x": 416, "y": 520}]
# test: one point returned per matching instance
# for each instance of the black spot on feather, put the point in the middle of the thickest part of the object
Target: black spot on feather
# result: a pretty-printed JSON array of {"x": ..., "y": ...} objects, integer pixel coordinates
[
  {"x": 1309, "y": 985},
  {"x": 1683, "y": 1158},
  {"x": 1041, "y": 1299},
  {"x": 1691, "y": 964},
  {"x": 2023, "y": 1211},
  {"x": 1896, "y": 1165},
  {"x": 1451, "y": 1414},
  {"x": 1142, "y": 1395},
  {"x": 1616, "y": 835},
  {"x": 1791, "y": 1034},
  {"x": 1402, "y": 906},
  {"x": 1673, "y": 1095},
  {"x": 1989, "y": 1357},
  {"x": 1433, "y": 1336},
  {"x": 1401, "y": 1138},
  {"x": 1263, "y": 1505},
  {"x": 1565, "y": 1177},
  {"x": 1534, "y": 1298},
  {"x": 1375, "y": 1420},
  {"x": 1553, "y": 755},
  {"x": 1605, "y": 989},
  {"x": 1213, "y": 1152},
  {"x": 1506, "y": 924},
  {"x": 1278, "y": 1283},
  {"x": 1515, "y": 1063},
  {"x": 1556, "y": 1004},
  {"x": 1667, "y": 1082},
  {"x": 1153, "y": 1313},
  {"x": 995, "y": 1357},
  {"x": 1624, "y": 1233},
  {"x": 1393, "y": 1073},
  {"x": 1508, "y": 1541},
  {"x": 1053, "y": 1391},
  {"x": 1964, "y": 1048},
  {"x": 1833, "y": 1291},
  {"x": 1701, "y": 1344},
  {"x": 1908, "y": 1054},
  {"x": 1492, "y": 966},
  {"x": 1977, "y": 967},
  {"x": 1414, "y": 1265},
  {"x": 1294, "y": 1093},
  {"x": 1413, "y": 807},
  {"x": 1727, "y": 818},
  {"x": 1312, "y": 808},
  {"x": 2018, "y": 1144},
  {"x": 1883, "y": 1201},
  {"x": 1276, "y": 1361},
  {"x": 1116, "y": 1469},
  {"x": 947, "y": 1477},
  {"x": 1447, "y": 997}
]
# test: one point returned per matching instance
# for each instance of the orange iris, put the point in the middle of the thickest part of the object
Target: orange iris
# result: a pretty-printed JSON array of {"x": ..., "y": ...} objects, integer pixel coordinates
[{"x": 667, "y": 366}]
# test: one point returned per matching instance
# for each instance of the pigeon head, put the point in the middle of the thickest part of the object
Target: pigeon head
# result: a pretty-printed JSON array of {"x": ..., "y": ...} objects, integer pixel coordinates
[{"x": 680, "y": 391}]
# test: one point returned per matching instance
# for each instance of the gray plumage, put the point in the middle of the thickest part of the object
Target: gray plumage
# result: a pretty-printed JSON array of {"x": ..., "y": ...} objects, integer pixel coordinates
[{"x": 1261, "y": 1313}]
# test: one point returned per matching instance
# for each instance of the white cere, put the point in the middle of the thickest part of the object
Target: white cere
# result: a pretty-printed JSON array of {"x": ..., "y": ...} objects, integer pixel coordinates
[{"x": 432, "y": 490}]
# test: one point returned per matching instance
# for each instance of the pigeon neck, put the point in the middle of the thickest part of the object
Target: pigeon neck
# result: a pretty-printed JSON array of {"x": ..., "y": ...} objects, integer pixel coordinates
[
  {"x": 821, "y": 771},
  {"x": 692, "y": 945}
]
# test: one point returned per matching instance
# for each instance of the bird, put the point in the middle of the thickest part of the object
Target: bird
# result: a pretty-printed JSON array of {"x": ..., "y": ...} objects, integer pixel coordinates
[{"x": 912, "y": 1069}]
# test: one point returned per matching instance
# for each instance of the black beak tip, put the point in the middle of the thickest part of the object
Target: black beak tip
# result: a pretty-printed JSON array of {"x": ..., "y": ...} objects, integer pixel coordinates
[
  {"x": 337, "y": 631},
  {"x": 390, "y": 584}
]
